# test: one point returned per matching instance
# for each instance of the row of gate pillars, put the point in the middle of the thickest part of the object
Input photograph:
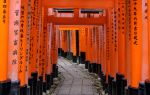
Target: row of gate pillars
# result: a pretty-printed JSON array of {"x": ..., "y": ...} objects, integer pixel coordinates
[
  {"x": 28, "y": 61},
  {"x": 122, "y": 62}
]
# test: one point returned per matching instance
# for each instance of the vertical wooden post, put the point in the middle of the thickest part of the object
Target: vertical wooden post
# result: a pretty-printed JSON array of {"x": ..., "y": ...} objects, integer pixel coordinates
[
  {"x": 90, "y": 44},
  {"x": 82, "y": 45},
  {"x": 13, "y": 49},
  {"x": 13, "y": 39},
  {"x": 94, "y": 50},
  {"x": 144, "y": 68},
  {"x": 109, "y": 52},
  {"x": 22, "y": 46},
  {"x": 121, "y": 26},
  {"x": 147, "y": 83},
  {"x": 4, "y": 37},
  {"x": 38, "y": 29},
  {"x": 115, "y": 41},
  {"x": 74, "y": 45},
  {"x": 39, "y": 37},
  {"x": 104, "y": 36},
  {"x": 71, "y": 50},
  {"x": 32, "y": 58},
  {"x": 40, "y": 41},
  {"x": 28, "y": 41},
  {"x": 4, "y": 15},
  {"x": 77, "y": 44},
  {"x": 49, "y": 65},
  {"x": 65, "y": 43},
  {"x": 113, "y": 46},
  {"x": 136, "y": 46},
  {"x": 60, "y": 43},
  {"x": 54, "y": 51},
  {"x": 101, "y": 48},
  {"x": 121, "y": 37},
  {"x": 86, "y": 49},
  {"x": 128, "y": 42},
  {"x": 97, "y": 52},
  {"x": 148, "y": 10},
  {"x": 29, "y": 48},
  {"x": 44, "y": 58},
  {"x": 108, "y": 38}
]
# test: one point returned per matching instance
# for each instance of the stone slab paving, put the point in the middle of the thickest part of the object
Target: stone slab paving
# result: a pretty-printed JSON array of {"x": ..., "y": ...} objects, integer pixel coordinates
[{"x": 75, "y": 81}]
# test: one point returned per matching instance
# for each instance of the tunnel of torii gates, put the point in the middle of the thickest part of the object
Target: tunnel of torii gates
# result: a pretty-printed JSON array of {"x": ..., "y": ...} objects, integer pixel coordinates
[{"x": 113, "y": 42}]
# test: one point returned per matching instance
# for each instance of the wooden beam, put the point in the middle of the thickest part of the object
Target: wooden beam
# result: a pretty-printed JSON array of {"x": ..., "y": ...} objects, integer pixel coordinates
[
  {"x": 100, "y": 4},
  {"x": 73, "y": 27},
  {"x": 77, "y": 21}
]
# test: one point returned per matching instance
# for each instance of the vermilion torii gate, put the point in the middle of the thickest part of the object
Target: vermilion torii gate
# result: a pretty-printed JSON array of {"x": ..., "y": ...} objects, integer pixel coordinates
[{"x": 29, "y": 44}]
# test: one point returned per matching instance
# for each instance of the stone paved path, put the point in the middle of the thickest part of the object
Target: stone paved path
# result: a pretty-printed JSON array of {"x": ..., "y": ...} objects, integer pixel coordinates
[{"x": 75, "y": 81}]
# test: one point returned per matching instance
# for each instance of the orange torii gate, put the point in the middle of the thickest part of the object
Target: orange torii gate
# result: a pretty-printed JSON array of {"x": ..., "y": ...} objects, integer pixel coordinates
[{"x": 122, "y": 40}]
